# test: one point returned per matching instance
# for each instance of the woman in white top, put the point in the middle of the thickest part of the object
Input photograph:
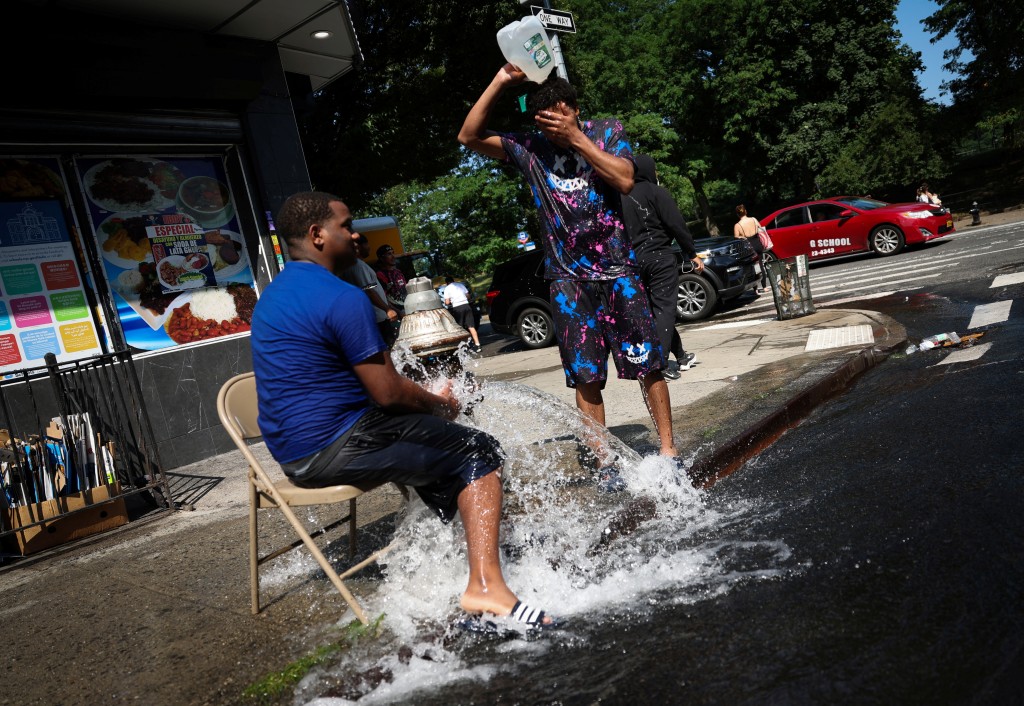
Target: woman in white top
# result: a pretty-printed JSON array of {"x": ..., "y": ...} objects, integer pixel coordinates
[
  {"x": 929, "y": 197},
  {"x": 746, "y": 227}
]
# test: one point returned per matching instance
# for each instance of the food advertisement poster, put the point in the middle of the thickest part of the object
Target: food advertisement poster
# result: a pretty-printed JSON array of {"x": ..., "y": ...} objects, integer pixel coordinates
[
  {"x": 171, "y": 245},
  {"x": 43, "y": 306}
]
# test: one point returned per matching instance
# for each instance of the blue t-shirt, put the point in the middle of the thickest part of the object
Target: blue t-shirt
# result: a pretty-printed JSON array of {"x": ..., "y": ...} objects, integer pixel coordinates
[
  {"x": 585, "y": 238},
  {"x": 308, "y": 328}
]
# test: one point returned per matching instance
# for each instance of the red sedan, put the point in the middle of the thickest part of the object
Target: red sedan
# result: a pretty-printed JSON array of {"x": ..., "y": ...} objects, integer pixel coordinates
[{"x": 853, "y": 224}]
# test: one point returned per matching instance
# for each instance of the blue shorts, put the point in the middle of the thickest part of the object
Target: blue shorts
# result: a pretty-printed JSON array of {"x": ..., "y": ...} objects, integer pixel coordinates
[
  {"x": 596, "y": 317},
  {"x": 433, "y": 455}
]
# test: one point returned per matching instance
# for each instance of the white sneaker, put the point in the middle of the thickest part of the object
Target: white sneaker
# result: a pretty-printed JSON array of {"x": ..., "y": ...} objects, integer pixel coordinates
[{"x": 687, "y": 361}]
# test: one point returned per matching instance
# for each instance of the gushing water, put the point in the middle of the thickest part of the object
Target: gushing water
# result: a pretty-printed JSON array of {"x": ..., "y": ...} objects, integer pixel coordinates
[{"x": 566, "y": 548}]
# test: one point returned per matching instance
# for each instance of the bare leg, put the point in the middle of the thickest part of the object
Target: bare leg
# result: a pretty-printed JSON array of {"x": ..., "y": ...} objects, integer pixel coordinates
[
  {"x": 476, "y": 339},
  {"x": 590, "y": 402},
  {"x": 655, "y": 391},
  {"x": 480, "y": 507}
]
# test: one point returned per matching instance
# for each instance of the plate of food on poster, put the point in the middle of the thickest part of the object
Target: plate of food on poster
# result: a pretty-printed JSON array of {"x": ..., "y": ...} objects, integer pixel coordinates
[
  {"x": 27, "y": 180},
  {"x": 124, "y": 240},
  {"x": 180, "y": 272},
  {"x": 206, "y": 200},
  {"x": 133, "y": 184},
  {"x": 227, "y": 251},
  {"x": 141, "y": 290},
  {"x": 212, "y": 312}
]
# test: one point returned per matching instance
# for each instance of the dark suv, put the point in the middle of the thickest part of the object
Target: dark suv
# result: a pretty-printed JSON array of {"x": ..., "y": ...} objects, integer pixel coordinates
[{"x": 518, "y": 297}]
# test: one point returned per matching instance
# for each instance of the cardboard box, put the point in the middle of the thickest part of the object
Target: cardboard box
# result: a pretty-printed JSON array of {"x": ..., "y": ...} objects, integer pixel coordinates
[{"x": 104, "y": 512}]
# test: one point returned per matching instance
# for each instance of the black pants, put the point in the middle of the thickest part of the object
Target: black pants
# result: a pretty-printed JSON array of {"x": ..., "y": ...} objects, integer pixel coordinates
[
  {"x": 758, "y": 246},
  {"x": 660, "y": 275}
]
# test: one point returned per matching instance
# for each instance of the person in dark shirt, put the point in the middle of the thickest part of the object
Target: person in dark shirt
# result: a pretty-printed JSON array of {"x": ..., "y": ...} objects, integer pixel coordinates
[{"x": 653, "y": 222}]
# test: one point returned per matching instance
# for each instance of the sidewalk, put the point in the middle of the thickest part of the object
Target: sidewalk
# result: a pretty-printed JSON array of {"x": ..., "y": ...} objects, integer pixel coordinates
[{"x": 157, "y": 612}]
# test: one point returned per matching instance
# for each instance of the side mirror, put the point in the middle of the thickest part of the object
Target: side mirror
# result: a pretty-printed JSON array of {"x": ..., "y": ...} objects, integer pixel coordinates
[{"x": 847, "y": 214}]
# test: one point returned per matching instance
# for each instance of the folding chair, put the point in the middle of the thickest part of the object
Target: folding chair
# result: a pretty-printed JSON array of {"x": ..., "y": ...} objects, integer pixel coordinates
[{"x": 237, "y": 409}]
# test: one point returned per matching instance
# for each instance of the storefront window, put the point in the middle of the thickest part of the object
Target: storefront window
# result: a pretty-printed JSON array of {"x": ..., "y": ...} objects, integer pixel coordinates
[
  {"x": 172, "y": 250},
  {"x": 43, "y": 303}
]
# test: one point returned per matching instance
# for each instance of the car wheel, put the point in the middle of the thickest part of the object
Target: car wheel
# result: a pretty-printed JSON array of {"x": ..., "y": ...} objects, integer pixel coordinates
[
  {"x": 535, "y": 327},
  {"x": 767, "y": 256},
  {"x": 887, "y": 240},
  {"x": 697, "y": 298}
]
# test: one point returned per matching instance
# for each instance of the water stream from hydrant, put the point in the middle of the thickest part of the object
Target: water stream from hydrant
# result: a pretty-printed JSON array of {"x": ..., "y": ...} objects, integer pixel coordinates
[{"x": 566, "y": 548}]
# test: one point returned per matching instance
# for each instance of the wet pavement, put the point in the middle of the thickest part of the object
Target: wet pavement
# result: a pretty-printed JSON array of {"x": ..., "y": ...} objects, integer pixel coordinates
[{"x": 158, "y": 611}]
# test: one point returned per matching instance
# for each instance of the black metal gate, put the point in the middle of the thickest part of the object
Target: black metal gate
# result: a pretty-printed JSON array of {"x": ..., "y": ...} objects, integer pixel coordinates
[{"x": 77, "y": 443}]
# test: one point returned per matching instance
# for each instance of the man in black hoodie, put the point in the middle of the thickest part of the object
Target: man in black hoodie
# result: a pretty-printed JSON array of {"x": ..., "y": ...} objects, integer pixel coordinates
[{"x": 653, "y": 221}]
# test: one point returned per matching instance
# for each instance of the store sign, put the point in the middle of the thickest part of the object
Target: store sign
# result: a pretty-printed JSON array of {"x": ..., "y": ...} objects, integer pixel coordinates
[
  {"x": 43, "y": 305},
  {"x": 173, "y": 254}
]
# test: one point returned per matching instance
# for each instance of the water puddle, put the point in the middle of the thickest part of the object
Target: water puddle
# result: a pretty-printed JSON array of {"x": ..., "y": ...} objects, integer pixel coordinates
[{"x": 566, "y": 548}]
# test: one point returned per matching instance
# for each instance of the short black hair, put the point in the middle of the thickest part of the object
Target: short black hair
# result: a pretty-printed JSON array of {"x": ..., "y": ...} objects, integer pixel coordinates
[
  {"x": 302, "y": 210},
  {"x": 448, "y": 279},
  {"x": 555, "y": 89},
  {"x": 383, "y": 249}
]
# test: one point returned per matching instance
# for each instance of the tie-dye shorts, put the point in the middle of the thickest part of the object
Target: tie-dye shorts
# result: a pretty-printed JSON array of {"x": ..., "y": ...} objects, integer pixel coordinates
[{"x": 595, "y": 317}]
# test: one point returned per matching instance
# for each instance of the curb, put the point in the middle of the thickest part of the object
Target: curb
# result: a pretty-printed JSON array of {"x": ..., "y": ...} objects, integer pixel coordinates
[{"x": 755, "y": 438}]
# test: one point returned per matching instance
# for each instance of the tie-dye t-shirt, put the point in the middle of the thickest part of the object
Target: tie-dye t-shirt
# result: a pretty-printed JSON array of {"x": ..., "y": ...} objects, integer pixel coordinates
[{"x": 581, "y": 215}]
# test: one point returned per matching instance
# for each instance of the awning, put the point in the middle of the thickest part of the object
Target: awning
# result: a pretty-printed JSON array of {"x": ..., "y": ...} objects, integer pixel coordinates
[{"x": 314, "y": 38}]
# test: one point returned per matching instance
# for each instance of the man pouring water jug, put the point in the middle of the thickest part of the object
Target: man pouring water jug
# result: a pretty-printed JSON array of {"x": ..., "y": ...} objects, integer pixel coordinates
[{"x": 578, "y": 170}]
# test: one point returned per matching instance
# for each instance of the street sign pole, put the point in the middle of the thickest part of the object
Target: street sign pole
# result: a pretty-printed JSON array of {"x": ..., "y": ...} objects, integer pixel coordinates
[{"x": 556, "y": 49}]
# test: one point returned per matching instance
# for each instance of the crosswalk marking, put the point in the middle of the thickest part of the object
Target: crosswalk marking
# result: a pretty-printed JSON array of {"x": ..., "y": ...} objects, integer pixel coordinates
[
  {"x": 932, "y": 263},
  {"x": 986, "y": 314},
  {"x": 850, "y": 283},
  {"x": 830, "y": 288},
  {"x": 821, "y": 339},
  {"x": 1007, "y": 280},
  {"x": 965, "y": 355}
]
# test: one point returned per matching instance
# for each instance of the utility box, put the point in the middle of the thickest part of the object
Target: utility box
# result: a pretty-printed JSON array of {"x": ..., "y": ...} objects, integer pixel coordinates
[{"x": 791, "y": 287}]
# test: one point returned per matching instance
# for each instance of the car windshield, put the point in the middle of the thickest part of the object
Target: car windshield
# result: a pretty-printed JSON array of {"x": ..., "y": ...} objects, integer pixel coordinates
[{"x": 864, "y": 204}]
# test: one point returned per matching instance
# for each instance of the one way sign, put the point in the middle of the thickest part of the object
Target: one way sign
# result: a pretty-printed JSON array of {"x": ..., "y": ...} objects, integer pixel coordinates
[{"x": 555, "y": 20}]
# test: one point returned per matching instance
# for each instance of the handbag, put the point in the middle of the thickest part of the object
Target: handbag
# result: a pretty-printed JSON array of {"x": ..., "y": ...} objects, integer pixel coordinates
[{"x": 762, "y": 235}]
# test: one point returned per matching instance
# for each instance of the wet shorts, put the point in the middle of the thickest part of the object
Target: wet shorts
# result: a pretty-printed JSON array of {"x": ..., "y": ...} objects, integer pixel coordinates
[
  {"x": 595, "y": 317},
  {"x": 436, "y": 457}
]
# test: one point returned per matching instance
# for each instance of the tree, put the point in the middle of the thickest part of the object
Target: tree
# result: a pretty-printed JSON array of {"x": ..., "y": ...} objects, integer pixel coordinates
[
  {"x": 395, "y": 119},
  {"x": 468, "y": 219},
  {"x": 992, "y": 33}
]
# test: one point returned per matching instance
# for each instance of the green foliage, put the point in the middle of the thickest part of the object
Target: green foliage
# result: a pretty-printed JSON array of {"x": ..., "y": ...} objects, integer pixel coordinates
[
  {"x": 866, "y": 161},
  {"x": 760, "y": 101},
  {"x": 989, "y": 31},
  {"x": 272, "y": 686},
  {"x": 469, "y": 218}
]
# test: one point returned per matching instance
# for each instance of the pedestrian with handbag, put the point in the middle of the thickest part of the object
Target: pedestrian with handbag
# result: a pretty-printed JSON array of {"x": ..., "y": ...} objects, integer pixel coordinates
[{"x": 748, "y": 228}]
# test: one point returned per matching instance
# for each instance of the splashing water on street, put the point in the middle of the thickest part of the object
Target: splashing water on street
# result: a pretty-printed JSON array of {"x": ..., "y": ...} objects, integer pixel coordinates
[{"x": 566, "y": 548}]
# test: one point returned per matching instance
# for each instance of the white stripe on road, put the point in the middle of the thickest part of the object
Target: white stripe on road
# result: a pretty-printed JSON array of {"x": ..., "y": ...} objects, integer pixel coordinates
[
  {"x": 965, "y": 355},
  {"x": 887, "y": 267},
  {"x": 993, "y": 313},
  {"x": 1007, "y": 280},
  {"x": 815, "y": 285}
]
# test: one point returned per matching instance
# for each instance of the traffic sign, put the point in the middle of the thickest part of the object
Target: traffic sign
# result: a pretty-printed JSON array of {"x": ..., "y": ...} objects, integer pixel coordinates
[{"x": 555, "y": 20}]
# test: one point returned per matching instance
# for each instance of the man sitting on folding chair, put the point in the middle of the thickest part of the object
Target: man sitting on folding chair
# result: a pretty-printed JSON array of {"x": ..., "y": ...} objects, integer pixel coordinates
[{"x": 333, "y": 409}]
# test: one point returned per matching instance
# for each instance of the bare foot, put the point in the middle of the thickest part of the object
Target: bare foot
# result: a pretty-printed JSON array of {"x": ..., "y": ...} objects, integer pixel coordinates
[
  {"x": 493, "y": 602},
  {"x": 484, "y": 604}
]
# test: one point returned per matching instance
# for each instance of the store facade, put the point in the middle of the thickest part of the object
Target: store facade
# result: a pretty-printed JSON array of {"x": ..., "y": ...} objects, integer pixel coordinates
[{"x": 144, "y": 146}]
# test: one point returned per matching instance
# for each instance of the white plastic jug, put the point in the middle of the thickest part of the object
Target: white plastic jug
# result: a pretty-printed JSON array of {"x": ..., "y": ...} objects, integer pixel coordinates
[{"x": 525, "y": 44}]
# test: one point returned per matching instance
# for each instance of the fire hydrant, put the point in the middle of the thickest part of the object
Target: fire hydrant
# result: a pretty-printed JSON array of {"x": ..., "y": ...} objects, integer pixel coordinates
[{"x": 975, "y": 214}]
